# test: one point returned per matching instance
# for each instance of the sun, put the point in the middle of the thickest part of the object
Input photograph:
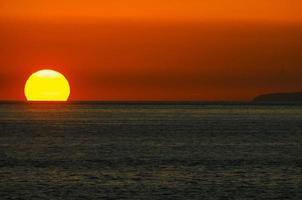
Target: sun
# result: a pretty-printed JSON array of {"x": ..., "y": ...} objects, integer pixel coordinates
[{"x": 47, "y": 85}]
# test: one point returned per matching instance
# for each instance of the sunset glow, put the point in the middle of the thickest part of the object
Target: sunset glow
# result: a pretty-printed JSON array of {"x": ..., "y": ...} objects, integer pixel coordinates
[
  {"x": 154, "y": 50},
  {"x": 47, "y": 85}
]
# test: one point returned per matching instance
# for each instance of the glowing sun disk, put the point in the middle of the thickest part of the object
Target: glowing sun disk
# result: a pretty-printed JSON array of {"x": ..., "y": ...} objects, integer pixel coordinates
[{"x": 47, "y": 85}]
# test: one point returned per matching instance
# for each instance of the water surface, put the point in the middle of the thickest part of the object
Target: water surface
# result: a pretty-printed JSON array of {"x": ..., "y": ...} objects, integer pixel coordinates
[{"x": 150, "y": 151}]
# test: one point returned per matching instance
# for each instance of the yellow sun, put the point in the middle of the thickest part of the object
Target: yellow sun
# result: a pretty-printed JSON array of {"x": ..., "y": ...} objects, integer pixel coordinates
[{"x": 47, "y": 85}]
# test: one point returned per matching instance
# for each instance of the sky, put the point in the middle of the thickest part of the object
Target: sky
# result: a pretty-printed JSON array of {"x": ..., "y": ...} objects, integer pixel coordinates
[{"x": 154, "y": 50}]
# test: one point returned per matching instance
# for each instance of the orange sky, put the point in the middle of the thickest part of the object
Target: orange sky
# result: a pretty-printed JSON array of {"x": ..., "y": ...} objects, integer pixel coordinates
[
  {"x": 154, "y": 50},
  {"x": 284, "y": 10}
]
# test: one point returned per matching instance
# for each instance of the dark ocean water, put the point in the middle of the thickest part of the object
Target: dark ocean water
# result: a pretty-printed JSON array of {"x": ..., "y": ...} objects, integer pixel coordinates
[{"x": 145, "y": 151}]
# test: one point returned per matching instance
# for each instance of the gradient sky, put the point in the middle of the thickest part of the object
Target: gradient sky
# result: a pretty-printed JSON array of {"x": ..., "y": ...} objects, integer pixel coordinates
[{"x": 154, "y": 50}]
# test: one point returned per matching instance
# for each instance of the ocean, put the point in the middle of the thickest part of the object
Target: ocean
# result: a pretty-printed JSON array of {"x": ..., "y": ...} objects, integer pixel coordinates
[{"x": 103, "y": 150}]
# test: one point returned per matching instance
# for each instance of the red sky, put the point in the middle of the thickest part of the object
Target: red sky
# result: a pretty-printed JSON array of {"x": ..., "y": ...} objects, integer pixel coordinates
[{"x": 154, "y": 50}]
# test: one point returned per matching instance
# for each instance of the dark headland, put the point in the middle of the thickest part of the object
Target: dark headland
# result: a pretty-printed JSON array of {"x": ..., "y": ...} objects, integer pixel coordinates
[{"x": 280, "y": 97}]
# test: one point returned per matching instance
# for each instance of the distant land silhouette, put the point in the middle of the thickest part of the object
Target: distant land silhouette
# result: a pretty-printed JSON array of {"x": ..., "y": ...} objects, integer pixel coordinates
[{"x": 280, "y": 97}]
